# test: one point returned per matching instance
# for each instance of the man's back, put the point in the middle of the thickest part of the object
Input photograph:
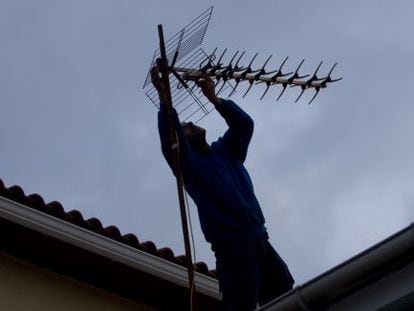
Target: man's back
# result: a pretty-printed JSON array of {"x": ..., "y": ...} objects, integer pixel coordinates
[{"x": 218, "y": 181}]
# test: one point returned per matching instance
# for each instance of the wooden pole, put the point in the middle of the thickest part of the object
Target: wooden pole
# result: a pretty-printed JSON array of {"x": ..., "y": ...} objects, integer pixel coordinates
[{"x": 165, "y": 71}]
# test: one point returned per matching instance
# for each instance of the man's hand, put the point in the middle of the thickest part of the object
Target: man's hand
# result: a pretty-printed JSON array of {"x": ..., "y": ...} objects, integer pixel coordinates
[
  {"x": 159, "y": 85},
  {"x": 208, "y": 88}
]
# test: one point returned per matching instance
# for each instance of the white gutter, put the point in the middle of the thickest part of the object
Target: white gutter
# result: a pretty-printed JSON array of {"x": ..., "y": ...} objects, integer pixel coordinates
[
  {"x": 101, "y": 245},
  {"x": 343, "y": 279}
]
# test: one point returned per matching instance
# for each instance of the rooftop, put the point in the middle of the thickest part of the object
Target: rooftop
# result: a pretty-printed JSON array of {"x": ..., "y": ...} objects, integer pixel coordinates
[{"x": 63, "y": 241}]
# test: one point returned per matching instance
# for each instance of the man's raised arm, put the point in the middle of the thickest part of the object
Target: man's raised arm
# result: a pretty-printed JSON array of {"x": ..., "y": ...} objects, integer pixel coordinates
[
  {"x": 237, "y": 138},
  {"x": 186, "y": 153}
]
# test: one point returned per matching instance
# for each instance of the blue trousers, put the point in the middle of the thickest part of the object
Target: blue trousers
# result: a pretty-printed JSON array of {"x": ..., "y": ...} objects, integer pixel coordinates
[{"x": 250, "y": 272}]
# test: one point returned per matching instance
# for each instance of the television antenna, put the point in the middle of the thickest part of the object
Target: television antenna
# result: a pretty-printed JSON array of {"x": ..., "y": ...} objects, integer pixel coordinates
[
  {"x": 189, "y": 62},
  {"x": 182, "y": 62}
]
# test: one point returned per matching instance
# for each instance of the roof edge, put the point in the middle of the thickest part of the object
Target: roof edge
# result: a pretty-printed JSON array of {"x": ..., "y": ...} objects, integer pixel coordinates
[
  {"x": 101, "y": 245},
  {"x": 341, "y": 281}
]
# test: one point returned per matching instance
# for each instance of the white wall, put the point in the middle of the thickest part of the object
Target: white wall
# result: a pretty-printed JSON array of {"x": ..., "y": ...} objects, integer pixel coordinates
[{"x": 24, "y": 286}]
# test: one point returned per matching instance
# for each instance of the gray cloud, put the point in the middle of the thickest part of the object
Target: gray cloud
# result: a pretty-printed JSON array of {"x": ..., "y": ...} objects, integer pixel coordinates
[{"x": 333, "y": 178}]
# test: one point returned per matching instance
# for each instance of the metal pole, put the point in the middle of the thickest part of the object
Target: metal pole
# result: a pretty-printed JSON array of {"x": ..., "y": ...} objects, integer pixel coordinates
[{"x": 164, "y": 69}]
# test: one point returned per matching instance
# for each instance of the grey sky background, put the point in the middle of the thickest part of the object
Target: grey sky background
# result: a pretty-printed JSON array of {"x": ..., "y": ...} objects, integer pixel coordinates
[{"x": 333, "y": 178}]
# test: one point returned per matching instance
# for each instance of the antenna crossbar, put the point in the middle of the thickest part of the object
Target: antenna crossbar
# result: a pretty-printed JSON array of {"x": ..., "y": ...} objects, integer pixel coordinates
[
  {"x": 236, "y": 73},
  {"x": 190, "y": 74}
]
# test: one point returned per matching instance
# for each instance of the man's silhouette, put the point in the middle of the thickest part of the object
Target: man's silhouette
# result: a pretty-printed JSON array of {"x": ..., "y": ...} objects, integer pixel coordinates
[{"x": 250, "y": 271}]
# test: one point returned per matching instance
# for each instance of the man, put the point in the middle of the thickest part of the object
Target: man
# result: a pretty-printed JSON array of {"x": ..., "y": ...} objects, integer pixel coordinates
[{"x": 250, "y": 271}]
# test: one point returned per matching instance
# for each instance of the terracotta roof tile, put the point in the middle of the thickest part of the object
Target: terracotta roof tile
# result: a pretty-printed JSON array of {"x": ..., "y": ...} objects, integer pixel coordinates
[
  {"x": 75, "y": 217},
  {"x": 36, "y": 201},
  {"x": 95, "y": 225},
  {"x": 112, "y": 232},
  {"x": 202, "y": 267},
  {"x": 149, "y": 247},
  {"x": 56, "y": 209},
  {"x": 181, "y": 260},
  {"x": 131, "y": 239},
  {"x": 167, "y": 253}
]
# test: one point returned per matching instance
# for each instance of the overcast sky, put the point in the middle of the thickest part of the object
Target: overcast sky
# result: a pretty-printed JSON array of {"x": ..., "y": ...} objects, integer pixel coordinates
[{"x": 333, "y": 178}]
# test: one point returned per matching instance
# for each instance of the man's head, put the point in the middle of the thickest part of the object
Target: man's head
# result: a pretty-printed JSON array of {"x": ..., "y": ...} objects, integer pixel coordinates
[{"x": 196, "y": 136}]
